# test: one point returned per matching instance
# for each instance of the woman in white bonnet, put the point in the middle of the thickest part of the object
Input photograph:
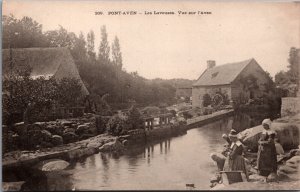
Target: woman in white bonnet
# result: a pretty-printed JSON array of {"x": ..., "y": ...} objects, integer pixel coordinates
[{"x": 267, "y": 160}]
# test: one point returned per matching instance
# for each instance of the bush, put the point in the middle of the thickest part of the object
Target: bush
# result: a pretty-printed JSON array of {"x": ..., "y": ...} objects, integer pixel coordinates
[
  {"x": 206, "y": 100},
  {"x": 117, "y": 125}
]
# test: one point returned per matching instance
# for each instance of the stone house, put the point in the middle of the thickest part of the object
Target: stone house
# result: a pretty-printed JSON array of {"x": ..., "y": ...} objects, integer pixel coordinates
[
  {"x": 55, "y": 62},
  {"x": 230, "y": 83}
]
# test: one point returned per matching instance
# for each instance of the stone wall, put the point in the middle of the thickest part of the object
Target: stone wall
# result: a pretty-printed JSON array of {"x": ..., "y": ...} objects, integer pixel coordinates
[
  {"x": 163, "y": 131},
  {"x": 198, "y": 92},
  {"x": 290, "y": 106}
]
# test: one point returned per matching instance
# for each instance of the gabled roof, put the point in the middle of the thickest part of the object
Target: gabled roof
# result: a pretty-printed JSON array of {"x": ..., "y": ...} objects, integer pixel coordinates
[
  {"x": 54, "y": 62},
  {"x": 222, "y": 74}
]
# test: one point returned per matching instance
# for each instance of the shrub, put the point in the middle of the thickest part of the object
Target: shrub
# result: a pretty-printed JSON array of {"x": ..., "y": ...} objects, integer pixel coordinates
[{"x": 206, "y": 100}]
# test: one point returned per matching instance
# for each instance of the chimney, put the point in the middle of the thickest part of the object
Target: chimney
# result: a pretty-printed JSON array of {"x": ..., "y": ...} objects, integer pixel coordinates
[{"x": 211, "y": 64}]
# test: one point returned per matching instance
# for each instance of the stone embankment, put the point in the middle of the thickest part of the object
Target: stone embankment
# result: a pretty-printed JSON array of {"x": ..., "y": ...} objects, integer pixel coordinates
[
  {"x": 51, "y": 134},
  {"x": 67, "y": 152},
  {"x": 86, "y": 147},
  {"x": 205, "y": 119}
]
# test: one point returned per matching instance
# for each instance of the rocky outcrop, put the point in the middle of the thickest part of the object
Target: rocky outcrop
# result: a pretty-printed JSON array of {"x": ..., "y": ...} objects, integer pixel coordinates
[
  {"x": 66, "y": 152},
  {"x": 291, "y": 169},
  {"x": 287, "y": 133},
  {"x": 113, "y": 146},
  {"x": 12, "y": 186},
  {"x": 40, "y": 134},
  {"x": 52, "y": 165},
  {"x": 57, "y": 140}
]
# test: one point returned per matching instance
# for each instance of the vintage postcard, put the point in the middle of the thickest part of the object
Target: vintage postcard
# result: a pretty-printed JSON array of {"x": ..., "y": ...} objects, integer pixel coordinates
[{"x": 150, "y": 95}]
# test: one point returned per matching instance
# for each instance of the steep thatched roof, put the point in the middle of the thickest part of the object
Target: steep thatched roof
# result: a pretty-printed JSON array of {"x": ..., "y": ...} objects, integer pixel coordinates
[
  {"x": 223, "y": 74},
  {"x": 54, "y": 62}
]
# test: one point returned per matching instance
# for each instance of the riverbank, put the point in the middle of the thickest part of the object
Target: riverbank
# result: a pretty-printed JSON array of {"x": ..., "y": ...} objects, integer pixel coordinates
[
  {"x": 68, "y": 152},
  {"x": 90, "y": 146},
  {"x": 18, "y": 166},
  {"x": 288, "y": 131}
]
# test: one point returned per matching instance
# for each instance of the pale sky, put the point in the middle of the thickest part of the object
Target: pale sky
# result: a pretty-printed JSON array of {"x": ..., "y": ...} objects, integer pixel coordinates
[{"x": 178, "y": 46}]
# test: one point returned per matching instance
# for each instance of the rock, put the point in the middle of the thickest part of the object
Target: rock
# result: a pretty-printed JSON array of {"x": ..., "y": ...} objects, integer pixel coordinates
[
  {"x": 35, "y": 127},
  {"x": 113, "y": 146},
  {"x": 66, "y": 123},
  {"x": 45, "y": 144},
  {"x": 81, "y": 129},
  {"x": 273, "y": 177},
  {"x": 57, "y": 140},
  {"x": 70, "y": 137},
  {"x": 288, "y": 135},
  {"x": 106, "y": 147},
  {"x": 256, "y": 177},
  {"x": 69, "y": 130},
  {"x": 85, "y": 136},
  {"x": 125, "y": 142},
  {"x": 294, "y": 160},
  {"x": 55, "y": 129},
  {"x": 52, "y": 165},
  {"x": 75, "y": 154},
  {"x": 34, "y": 138},
  {"x": 20, "y": 128},
  {"x": 47, "y": 136},
  {"x": 41, "y": 125},
  {"x": 291, "y": 169},
  {"x": 12, "y": 186},
  {"x": 287, "y": 169},
  {"x": 282, "y": 176}
]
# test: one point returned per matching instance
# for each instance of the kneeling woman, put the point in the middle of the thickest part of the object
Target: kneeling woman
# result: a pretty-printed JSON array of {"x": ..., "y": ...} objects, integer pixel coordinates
[{"x": 236, "y": 161}]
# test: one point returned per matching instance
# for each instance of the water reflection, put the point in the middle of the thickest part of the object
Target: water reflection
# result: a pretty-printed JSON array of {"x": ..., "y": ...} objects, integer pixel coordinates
[{"x": 156, "y": 166}]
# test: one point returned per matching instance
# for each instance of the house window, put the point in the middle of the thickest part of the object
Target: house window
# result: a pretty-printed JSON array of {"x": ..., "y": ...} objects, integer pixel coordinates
[{"x": 214, "y": 74}]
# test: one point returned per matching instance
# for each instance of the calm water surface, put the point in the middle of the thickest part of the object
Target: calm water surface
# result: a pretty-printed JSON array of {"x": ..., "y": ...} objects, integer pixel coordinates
[{"x": 169, "y": 164}]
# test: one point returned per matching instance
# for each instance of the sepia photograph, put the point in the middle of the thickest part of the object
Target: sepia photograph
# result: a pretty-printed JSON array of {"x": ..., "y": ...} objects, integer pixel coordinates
[{"x": 150, "y": 95}]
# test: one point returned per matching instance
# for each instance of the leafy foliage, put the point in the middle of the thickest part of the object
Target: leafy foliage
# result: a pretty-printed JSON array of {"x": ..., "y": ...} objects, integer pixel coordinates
[
  {"x": 116, "y": 53},
  {"x": 21, "y": 91},
  {"x": 206, "y": 100},
  {"x": 288, "y": 80},
  {"x": 104, "y": 48}
]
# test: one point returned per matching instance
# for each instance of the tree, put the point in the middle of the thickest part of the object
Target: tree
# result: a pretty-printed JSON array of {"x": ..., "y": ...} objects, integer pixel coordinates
[
  {"x": 61, "y": 38},
  {"x": 104, "y": 48},
  {"x": 91, "y": 45},
  {"x": 135, "y": 118},
  {"x": 116, "y": 53},
  {"x": 79, "y": 51},
  {"x": 22, "y": 33},
  {"x": 293, "y": 65},
  {"x": 289, "y": 80}
]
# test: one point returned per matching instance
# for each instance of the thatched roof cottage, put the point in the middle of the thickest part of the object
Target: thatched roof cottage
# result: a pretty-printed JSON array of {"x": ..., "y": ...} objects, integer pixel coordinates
[{"x": 56, "y": 62}]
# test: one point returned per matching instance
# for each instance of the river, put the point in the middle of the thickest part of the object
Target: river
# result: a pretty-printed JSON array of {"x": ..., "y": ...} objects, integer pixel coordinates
[{"x": 169, "y": 164}]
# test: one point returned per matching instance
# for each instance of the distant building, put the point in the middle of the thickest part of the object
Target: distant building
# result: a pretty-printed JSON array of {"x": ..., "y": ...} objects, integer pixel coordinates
[
  {"x": 228, "y": 83},
  {"x": 184, "y": 92}
]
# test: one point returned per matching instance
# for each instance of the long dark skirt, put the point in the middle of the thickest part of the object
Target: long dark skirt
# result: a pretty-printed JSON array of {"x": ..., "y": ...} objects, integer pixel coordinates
[
  {"x": 236, "y": 164},
  {"x": 266, "y": 159}
]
